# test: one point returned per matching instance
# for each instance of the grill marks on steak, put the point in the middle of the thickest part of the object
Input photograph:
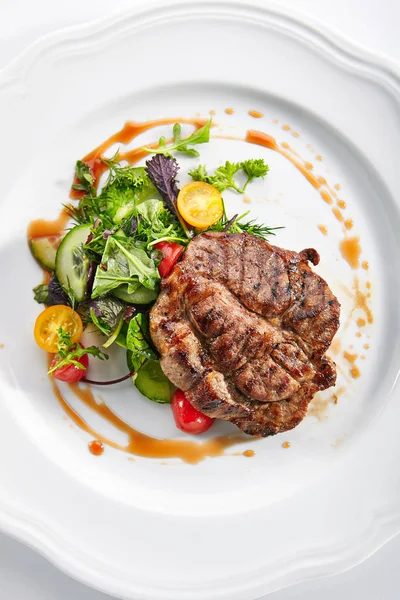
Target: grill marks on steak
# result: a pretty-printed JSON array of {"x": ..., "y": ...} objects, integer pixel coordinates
[{"x": 242, "y": 328}]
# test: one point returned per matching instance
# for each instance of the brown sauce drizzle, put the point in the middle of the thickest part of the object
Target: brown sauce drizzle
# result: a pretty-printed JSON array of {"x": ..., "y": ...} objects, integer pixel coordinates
[
  {"x": 350, "y": 249},
  {"x": 127, "y": 134},
  {"x": 361, "y": 302},
  {"x": 351, "y": 358},
  {"x": 256, "y": 114},
  {"x": 41, "y": 227},
  {"x": 140, "y": 444},
  {"x": 263, "y": 139}
]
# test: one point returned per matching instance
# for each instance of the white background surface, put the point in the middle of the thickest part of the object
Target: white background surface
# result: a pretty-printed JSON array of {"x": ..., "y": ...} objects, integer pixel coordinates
[{"x": 373, "y": 23}]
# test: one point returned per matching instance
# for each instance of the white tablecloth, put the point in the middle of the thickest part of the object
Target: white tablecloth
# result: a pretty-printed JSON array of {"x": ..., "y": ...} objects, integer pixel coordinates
[{"x": 374, "y": 23}]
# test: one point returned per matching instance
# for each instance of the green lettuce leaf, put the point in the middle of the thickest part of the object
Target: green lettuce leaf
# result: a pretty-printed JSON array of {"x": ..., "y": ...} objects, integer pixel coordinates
[{"x": 123, "y": 263}]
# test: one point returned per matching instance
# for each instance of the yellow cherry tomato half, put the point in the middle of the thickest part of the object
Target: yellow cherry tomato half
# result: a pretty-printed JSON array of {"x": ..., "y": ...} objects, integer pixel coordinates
[
  {"x": 49, "y": 322},
  {"x": 200, "y": 204}
]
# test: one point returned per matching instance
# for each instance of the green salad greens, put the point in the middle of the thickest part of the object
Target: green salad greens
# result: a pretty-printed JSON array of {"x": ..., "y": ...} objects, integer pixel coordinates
[{"x": 127, "y": 236}]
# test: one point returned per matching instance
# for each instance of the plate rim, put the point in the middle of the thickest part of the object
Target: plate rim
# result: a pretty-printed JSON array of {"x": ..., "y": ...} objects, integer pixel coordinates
[{"x": 375, "y": 66}]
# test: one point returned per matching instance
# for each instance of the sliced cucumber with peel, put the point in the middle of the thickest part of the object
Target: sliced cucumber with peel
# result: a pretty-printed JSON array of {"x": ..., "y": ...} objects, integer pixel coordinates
[
  {"x": 72, "y": 264},
  {"x": 141, "y": 295},
  {"x": 44, "y": 249},
  {"x": 152, "y": 382}
]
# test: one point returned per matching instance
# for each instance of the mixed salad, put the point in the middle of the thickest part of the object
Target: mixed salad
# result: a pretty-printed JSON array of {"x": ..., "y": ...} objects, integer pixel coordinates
[{"x": 107, "y": 268}]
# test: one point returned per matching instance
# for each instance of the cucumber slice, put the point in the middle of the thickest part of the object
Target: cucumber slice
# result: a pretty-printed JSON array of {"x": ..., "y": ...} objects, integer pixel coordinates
[
  {"x": 152, "y": 382},
  {"x": 44, "y": 249},
  {"x": 141, "y": 295},
  {"x": 72, "y": 264}
]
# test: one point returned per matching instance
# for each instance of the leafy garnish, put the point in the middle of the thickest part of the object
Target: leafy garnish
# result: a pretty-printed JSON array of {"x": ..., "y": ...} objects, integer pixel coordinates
[
  {"x": 235, "y": 225},
  {"x": 123, "y": 263},
  {"x": 224, "y": 176},
  {"x": 200, "y": 136},
  {"x": 139, "y": 344},
  {"x": 162, "y": 171},
  {"x": 106, "y": 313},
  {"x": 84, "y": 177},
  {"x": 69, "y": 354},
  {"x": 41, "y": 293}
]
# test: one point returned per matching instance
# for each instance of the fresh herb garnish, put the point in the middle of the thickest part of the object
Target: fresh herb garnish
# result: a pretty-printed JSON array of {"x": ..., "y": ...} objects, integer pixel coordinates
[
  {"x": 162, "y": 171},
  {"x": 41, "y": 293},
  {"x": 200, "y": 136},
  {"x": 224, "y": 176},
  {"x": 235, "y": 225},
  {"x": 69, "y": 354},
  {"x": 84, "y": 177}
]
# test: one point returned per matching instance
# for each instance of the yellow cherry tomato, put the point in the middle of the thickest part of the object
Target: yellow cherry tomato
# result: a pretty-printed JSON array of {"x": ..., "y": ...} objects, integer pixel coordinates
[
  {"x": 50, "y": 320},
  {"x": 200, "y": 204}
]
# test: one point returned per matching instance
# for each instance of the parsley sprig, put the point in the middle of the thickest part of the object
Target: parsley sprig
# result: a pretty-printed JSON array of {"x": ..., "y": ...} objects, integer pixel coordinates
[
  {"x": 69, "y": 354},
  {"x": 200, "y": 136},
  {"x": 224, "y": 176}
]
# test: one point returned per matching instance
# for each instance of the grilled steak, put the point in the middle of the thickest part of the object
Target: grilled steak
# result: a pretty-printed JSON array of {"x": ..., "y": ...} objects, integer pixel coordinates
[{"x": 242, "y": 327}]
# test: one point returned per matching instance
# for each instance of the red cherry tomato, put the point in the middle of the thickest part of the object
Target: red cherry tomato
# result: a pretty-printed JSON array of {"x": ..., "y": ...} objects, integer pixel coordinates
[
  {"x": 171, "y": 252},
  {"x": 70, "y": 373},
  {"x": 188, "y": 418}
]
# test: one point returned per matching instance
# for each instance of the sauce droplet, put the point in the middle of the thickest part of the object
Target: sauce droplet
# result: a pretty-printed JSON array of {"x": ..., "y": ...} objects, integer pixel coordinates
[
  {"x": 318, "y": 157},
  {"x": 325, "y": 196},
  {"x": 341, "y": 203},
  {"x": 361, "y": 322},
  {"x": 368, "y": 285},
  {"x": 229, "y": 111},
  {"x": 309, "y": 166},
  {"x": 350, "y": 249},
  {"x": 1, "y": 345},
  {"x": 366, "y": 346},
  {"x": 337, "y": 187},
  {"x": 275, "y": 121},
  {"x": 211, "y": 112},
  {"x": 96, "y": 447},
  {"x": 365, "y": 265},
  {"x": 323, "y": 229},
  {"x": 295, "y": 134},
  {"x": 338, "y": 214},
  {"x": 255, "y": 114},
  {"x": 246, "y": 200},
  {"x": 248, "y": 453},
  {"x": 349, "y": 223},
  {"x": 286, "y": 445},
  {"x": 351, "y": 358},
  {"x": 286, "y": 127},
  {"x": 358, "y": 334}
]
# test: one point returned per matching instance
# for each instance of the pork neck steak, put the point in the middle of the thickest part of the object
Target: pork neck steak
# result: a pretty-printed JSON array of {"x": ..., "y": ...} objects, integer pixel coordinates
[{"x": 242, "y": 327}]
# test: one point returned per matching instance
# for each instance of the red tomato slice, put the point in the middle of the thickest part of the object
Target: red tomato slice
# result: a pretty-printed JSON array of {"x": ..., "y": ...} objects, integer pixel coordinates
[
  {"x": 70, "y": 373},
  {"x": 172, "y": 253},
  {"x": 188, "y": 418}
]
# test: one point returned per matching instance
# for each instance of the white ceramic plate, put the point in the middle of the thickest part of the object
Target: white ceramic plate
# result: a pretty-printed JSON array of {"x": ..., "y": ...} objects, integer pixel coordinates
[{"x": 229, "y": 527}]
